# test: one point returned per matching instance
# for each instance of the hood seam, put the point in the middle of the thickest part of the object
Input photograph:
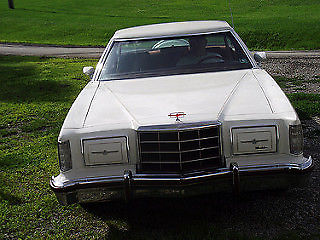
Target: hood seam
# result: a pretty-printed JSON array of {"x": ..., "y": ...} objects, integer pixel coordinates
[
  {"x": 263, "y": 90},
  {"x": 229, "y": 97},
  {"x": 85, "y": 118},
  {"x": 123, "y": 106}
]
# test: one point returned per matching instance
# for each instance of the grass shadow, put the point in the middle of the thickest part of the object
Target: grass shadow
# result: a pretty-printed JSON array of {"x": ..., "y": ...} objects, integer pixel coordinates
[
  {"x": 7, "y": 194},
  {"x": 10, "y": 198},
  {"x": 21, "y": 83},
  {"x": 63, "y": 12}
]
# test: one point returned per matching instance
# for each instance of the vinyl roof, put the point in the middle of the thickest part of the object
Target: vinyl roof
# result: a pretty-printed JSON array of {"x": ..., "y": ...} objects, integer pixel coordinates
[{"x": 171, "y": 29}]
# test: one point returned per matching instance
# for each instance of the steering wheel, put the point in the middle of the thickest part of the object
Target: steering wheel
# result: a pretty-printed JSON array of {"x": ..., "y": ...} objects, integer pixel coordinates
[{"x": 210, "y": 57}]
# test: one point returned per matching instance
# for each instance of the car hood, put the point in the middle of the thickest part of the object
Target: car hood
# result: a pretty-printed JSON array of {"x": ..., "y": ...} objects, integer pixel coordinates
[{"x": 202, "y": 97}]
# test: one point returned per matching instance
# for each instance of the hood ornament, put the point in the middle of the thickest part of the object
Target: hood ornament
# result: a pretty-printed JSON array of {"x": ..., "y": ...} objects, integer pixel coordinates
[{"x": 177, "y": 115}]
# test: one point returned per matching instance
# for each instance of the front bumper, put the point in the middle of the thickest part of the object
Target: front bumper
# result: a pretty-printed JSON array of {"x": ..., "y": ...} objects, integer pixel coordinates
[{"x": 234, "y": 178}]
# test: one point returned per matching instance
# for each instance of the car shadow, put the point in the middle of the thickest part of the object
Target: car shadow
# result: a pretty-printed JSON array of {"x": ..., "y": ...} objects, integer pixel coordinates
[
  {"x": 194, "y": 217},
  {"x": 311, "y": 132}
]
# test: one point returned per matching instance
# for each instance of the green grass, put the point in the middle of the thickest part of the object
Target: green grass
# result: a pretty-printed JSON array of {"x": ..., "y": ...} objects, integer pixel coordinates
[
  {"x": 290, "y": 82},
  {"x": 264, "y": 24},
  {"x": 282, "y": 81},
  {"x": 35, "y": 96},
  {"x": 307, "y": 105}
]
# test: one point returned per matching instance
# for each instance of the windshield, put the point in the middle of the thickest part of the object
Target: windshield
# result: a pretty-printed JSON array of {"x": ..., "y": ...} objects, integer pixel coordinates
[{"x": 178, "y": 55}]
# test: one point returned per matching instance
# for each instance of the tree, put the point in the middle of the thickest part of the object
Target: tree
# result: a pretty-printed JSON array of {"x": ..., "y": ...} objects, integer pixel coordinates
[{"x": 11, "y": 5}]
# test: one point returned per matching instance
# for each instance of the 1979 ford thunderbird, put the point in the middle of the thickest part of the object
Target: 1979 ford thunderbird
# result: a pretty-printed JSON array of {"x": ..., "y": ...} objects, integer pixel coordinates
[{"x": 178, "y": 109}]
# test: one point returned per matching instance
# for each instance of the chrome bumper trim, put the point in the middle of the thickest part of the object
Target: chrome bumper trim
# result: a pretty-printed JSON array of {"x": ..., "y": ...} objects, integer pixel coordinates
[{"x": 128, "y": 183}]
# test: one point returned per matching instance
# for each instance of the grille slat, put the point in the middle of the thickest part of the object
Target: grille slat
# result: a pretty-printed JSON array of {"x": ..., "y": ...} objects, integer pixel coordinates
[
  {"x": 180, "y": 150},
  {"x": 190, "y": 140},
  {"x": 185, "y": 151}
]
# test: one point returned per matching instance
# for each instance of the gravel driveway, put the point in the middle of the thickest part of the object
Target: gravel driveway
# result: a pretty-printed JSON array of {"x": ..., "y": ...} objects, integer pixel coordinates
[
  {"x": 302, "y": 204},
  {"x": 306, "y": 69}
]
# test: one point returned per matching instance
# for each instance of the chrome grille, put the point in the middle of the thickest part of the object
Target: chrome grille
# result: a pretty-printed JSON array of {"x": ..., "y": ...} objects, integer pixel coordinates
[{"x": 179, "y": 148}]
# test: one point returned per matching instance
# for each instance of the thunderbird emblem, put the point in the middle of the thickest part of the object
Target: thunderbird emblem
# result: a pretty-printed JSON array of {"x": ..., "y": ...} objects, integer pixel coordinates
[{"x": 177, "y": 115}]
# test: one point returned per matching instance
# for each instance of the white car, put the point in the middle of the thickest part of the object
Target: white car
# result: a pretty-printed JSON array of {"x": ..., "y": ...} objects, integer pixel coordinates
[{"x": 178, "y": 109}]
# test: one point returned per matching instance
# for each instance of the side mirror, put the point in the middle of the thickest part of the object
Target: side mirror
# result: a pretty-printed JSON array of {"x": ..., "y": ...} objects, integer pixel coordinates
[
  {"x": 88, "y": 71},
  {"x": 259, "y": 56}
]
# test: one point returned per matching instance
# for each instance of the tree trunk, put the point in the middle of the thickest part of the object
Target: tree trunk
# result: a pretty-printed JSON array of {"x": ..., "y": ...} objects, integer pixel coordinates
[{"x": 11, "y": 5}]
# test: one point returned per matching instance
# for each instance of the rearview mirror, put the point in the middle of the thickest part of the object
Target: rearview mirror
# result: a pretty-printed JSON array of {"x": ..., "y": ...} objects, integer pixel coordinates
[
  {"x": 259, "y": 56},
  {"x": 88, "y": 71}
]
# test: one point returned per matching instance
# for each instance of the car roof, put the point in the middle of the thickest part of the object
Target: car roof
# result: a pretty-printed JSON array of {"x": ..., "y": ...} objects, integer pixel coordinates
[{"x": 171, "y": 29}]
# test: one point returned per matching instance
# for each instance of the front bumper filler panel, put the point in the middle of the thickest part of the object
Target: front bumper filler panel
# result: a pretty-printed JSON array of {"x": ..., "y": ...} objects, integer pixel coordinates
[{"x": 233, "y": 179}]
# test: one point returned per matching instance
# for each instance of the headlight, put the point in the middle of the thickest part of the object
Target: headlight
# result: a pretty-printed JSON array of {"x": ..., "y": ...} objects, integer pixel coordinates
[
  {"x": 296, "y": 139},
  {"x": 64, "y": 156}
]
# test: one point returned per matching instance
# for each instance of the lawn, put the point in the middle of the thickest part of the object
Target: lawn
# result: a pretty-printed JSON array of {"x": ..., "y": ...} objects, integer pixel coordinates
[
  {"x": 35, "y": 96},
  {"x": 307, "y": 105},
  {"x": 264, "y": 24}
]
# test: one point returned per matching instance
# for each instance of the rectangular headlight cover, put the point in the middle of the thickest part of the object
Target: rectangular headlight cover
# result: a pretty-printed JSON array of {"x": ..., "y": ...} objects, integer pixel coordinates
[
  {"x": 248, "y": 140},
  {"x": 105, "y": 151}
]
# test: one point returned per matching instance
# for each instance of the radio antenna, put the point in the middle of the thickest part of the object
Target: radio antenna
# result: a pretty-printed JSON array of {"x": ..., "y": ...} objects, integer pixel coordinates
[{"x": 230, "y": 13}]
